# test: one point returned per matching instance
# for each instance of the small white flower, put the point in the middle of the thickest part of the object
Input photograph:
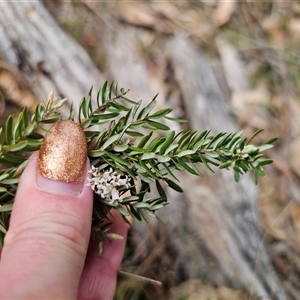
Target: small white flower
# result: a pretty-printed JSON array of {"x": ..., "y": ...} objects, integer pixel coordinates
[
  {"x": 106, "y": 184},
  {"x": 123, "y": 182},
  {"x": 115, "y": 196},
  {"x": 95, "y": 172},
  {"x": 107, "y": 174}
]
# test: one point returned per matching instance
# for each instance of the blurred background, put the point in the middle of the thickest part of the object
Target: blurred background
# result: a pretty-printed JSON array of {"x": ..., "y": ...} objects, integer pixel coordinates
[{"x": 222, "y": 65}]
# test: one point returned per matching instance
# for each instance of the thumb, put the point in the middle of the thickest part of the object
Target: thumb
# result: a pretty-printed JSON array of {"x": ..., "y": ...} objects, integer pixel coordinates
[{"x": 46, "y": 244}]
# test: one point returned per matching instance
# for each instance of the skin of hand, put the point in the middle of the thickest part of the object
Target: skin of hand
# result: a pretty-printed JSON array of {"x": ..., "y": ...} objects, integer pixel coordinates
[{"x": 47, "y": 252}]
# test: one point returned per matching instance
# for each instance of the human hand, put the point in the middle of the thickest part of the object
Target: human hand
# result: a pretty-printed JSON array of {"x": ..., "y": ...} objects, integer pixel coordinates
[{"x": 47, "y": 253}]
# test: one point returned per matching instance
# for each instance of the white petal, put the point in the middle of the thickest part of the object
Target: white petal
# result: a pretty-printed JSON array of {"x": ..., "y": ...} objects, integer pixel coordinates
[
  {"x": 115, "y": 194},
  {"x": 122, "y": 181}
]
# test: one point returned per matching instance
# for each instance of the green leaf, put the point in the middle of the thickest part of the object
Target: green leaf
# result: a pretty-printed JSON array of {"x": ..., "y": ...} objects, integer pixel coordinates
[
  {"x": 249, "y": 149},
  {"x": 35, "y": 136},
  {"x": 118, "y": 159},
  {"x": 243, "y": 166},
  {"x": 242, "y": 144},
  {"x": 265, "y": 147},
  {"x": 204, "y": 161},
  {"x": 32, "y": 146},
  {"x": 225, "y": 140},
  {"x": 144, "y": 140},
  {"x": 110, "y": 140},
  {"x": 176, "y": 120},
  {"x": 20, "y": 169},
  {"x": 260, "y": 171},
  {"x": 119, "y": 106},
  {"x": 185, "y": 153},
  {"x": 169, "y": 170},
  {"x": 235, "y": 137},
  {"x": 154, "y": 167},
  {"x": 161, "y": 113},
  {"x": 135, "y": 151},
  {"x": 17, "y": 147},
  {"x": 148, "y": 155},
  {"x": 71, "y": 113},
  {"x": 136, "y": 124},
  {"x": 8, "y": 130},
  {"x": 236, "y": 176},
  {"x": 158, "y": 125},
  {"x": 154, "y": 144},
  {"x": 199, "y": 136},
  {"x": 130, "y": 101},
  {"x": 122, "y": 211},
  {"x": 133, "y": 133},
  {"x": 135, "y": 109},
  {"x": 6, "y": 208},
  {"x": 173, "y": 185},
  {"x": 150, "y": 213},
  {"x": 36, "y": 114},
  {"x": 17, "y": 131},
  {"x": 187, "y": 167},
  {"x": 145, "y": 178},
  {"x": 82, "y": 111},
  {"x": 186, "y": 134},
  {"x": 225, "y": 165},
  {"x": 88, "y": 104},
  {"x": 170, "y": 148},
  {"x": 96, "y": 153},
  {"x": 3, "y": 176},
  {"x": 167, "y": 142},
  {"x": 126, "y": 118},
  {"x": 254, "y": 135},
  {"x": 135, "y": 214},
  {"x": 158, "y": 206},
  {"x": 149, "y": 171},
  {"x": 105, "y": 116},
  {"x": 28, "y": 130},
  {"x": 2, "y": 229},
  {"x": 120, "y": 148},
  {"x": 221, "y": 141},
  {"x": 98, "y": 97},
  {"x": 141, "y": 205},
  {"x": 163, "y": 158},
  {"x": 215, "y": 139},
  {"x": 130, "y": 199},
  {"x": 145, "y": 111},
  {"x": 50, "y": 120},
  {"x": 263, "y": 162},
  {"x": 160, "y": 190},
  {"x": 197, "y": 172},
  {"x": 213, "y": 154},
  {"x": 104, "y": 92},
  {"x": 25, "y": 118},
  {"x": 11, "y": 159},
  {"x": 271, "y": 140},
  {"x": 139, "y": 167},
  {"x": 86, "y": 123},
  {"x": 10, "y": 181},
  {"x": 233, "y": 144}
]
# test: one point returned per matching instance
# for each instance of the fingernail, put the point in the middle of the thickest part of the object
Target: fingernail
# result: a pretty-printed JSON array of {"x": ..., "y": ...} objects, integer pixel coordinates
[{"x": 62, "y": 159}]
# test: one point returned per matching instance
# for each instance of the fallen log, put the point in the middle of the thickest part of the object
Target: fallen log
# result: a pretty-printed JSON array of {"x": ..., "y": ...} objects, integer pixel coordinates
[{"x": 32, "y": 41}]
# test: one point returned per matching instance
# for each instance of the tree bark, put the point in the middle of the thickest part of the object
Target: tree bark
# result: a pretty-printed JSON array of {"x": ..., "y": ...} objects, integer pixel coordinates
[
  {"x": 32, "y": 41},
  {"x": 226, "y": 208}
]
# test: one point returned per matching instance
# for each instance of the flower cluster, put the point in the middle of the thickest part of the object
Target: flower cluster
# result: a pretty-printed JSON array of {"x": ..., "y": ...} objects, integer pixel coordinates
[{"x": 106, "y": 184}]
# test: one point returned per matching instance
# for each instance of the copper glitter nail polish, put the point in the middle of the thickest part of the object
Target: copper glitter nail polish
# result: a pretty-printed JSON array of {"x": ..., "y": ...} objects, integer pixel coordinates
[{"x": 63, "y": 153}]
